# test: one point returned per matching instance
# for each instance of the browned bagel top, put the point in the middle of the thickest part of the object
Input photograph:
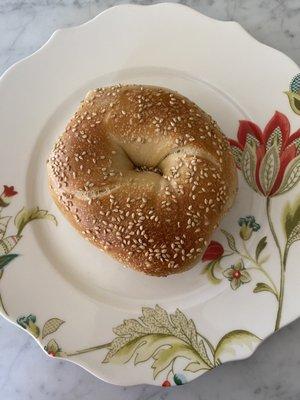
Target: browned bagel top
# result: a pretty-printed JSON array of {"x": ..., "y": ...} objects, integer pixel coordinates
[{"x": 144, "y": 174}]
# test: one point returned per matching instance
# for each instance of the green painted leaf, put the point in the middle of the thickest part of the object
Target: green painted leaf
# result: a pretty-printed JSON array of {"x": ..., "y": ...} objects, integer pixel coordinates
[
  {"x": 209, "y": 270},
  {"x": 291, "y": 176},
  {"x": 263, "y": 287},
  {"x": 291, "y": 217},
  {"x": 291, "y": 222},
  {"x": 4, "y": 260},
  {"x": 252, "y": 141},
  {"x": 294, "y": 99},
  {"x": 239, "y": 342},
  {"x": 248, "y": 166},
  {"x": 166, "y": 357},
  {"x": 52, "y": 347},
  {"x": 27, "y": 215},
  {"x": 294, "y": 237},
  {"x": 3, "y": 226},
  {"x": 159, "y": 336},
  {"x": 237, "y": 155},
  {"x": 269, "y": 168},
  {"x": 230, "y": 240},
  {"x": 143, "y": 348},
  {"x": 195, "y": 367},
  {"x": 186, "y": 330},
  {"x": 260, "y": 247},
  {"x": 162, "y": 349},
  {"x": 275, "y": 137},
  {"x": 51, "y": 326},
  {"x": 8, "y": 243},
  {"x": 33, "y": 329}
]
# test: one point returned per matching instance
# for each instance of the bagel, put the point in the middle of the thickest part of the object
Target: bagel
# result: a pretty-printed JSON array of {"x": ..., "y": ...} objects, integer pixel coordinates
[{"x": 144, "y": 174}]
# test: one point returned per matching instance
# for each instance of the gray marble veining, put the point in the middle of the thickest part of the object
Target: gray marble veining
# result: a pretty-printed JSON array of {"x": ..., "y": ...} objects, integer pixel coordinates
[{"x": 25, "y": 372}]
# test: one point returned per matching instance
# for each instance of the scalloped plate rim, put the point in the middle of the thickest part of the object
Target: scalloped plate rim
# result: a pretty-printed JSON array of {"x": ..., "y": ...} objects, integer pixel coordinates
[{"x": 52, "y": 40}]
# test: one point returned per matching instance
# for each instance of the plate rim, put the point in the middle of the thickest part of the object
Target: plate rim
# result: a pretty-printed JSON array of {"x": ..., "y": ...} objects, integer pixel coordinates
[{"x": 62, "y": 31}]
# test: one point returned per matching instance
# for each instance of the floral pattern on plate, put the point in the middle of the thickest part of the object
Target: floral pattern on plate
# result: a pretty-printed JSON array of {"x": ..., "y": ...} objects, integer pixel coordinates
[
  {"x": 270, "y": 163},
  {"x": 8, "y": 242}
]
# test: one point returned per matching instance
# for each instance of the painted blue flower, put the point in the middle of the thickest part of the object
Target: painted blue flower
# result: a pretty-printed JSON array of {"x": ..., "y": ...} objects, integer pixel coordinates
[
  {"x": 28, "y": 322},
  {"x": 248, "y": 225}
]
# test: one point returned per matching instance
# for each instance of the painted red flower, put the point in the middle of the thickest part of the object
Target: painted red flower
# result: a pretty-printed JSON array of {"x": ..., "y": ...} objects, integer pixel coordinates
[
  {"x": 9, "y": 191},
  {"x": 214, "y": 251},
  {"x": 269, "y": 159}
]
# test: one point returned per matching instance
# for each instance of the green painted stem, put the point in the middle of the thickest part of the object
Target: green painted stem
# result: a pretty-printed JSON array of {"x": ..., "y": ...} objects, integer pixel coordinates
[
  {"x": 285, "y": 254},
  {"x": 246, "y": 250},
  {"x": 260, "y": 268},
  {"x": 2, "y": 305},
  {"x": 282, "y": 265},
  {"x": 89, "y": 349},
  {"x": 227, "y": 255}
]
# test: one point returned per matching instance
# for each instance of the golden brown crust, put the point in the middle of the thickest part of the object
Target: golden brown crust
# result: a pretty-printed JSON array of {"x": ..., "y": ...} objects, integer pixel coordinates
[{"x": 144, "y": 174}]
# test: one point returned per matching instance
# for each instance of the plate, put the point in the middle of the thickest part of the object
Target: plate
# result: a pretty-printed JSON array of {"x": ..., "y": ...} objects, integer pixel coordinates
[{"x": 79, "y": 304}]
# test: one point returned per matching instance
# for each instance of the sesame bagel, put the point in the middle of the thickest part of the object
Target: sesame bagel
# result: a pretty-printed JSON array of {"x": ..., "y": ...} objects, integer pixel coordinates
[{"x": 144, "y": 174}]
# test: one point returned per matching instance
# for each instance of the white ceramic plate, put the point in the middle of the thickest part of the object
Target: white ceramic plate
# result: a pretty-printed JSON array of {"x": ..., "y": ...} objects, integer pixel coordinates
[{"x": 125, "y": 327}]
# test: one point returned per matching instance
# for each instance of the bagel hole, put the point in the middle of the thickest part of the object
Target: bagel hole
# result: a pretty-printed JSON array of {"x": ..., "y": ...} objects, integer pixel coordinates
[
  {"x": 144, "y": 168},
  {"x": 138, "y": 166}
]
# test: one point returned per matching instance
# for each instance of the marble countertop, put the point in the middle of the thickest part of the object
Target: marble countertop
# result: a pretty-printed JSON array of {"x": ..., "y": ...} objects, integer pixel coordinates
[{"x": 25, "y": 372}]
